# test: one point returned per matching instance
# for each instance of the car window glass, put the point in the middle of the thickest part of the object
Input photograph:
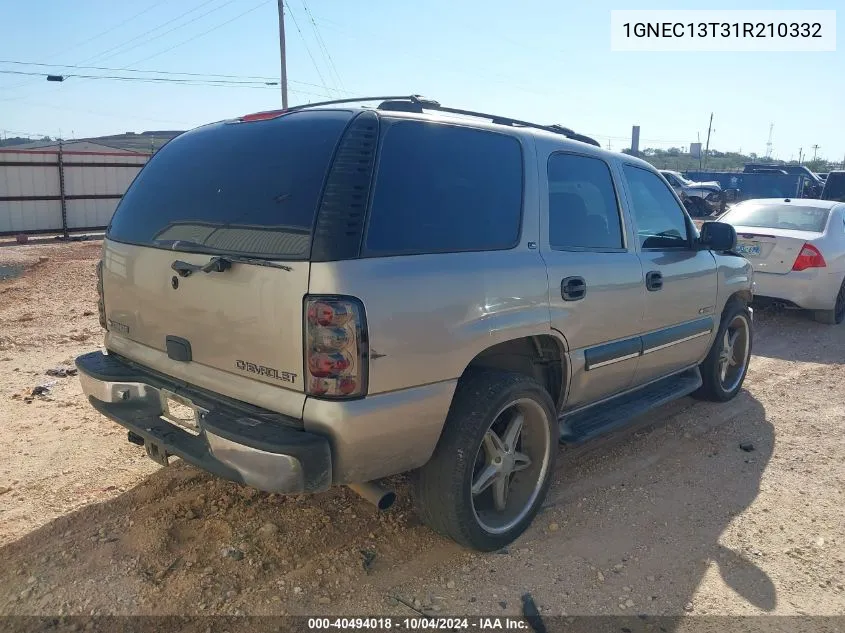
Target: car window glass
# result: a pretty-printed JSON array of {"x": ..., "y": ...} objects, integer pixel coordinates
[
  {"x": 443, "y": 188},
  {"x": 778, "y": 216},
  {"x": 258, "y": 198},
  {"x": 661, "y": 222},
  {"x": 583, "y": 210}
]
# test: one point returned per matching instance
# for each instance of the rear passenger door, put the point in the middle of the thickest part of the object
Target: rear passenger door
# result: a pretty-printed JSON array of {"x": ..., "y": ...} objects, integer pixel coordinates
[
  {"x": 680, "y": 280},
  {"x": 595, "y": 281}
]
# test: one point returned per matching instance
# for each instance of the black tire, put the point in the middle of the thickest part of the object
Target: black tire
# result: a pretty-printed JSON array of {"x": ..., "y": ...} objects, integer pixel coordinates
[
  {"x": 443, "y": 494},
  {"x": 713, "y": 387},
  {"x": 835, "y": 316}
]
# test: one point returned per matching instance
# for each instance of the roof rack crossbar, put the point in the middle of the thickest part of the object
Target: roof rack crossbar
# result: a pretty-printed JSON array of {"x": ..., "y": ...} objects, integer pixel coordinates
[
  {"x": 430, "y": 104},
  {"x": 557, "y": 129},
  {"x": 413, "y": 98}
]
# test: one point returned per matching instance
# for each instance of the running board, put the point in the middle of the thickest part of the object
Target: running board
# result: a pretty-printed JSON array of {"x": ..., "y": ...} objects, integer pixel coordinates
[{"x": 609, "y": 415}]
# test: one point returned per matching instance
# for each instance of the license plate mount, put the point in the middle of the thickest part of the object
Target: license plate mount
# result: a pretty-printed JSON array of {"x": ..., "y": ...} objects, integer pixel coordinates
[
  {"x": 181, "y": 412},
  {"x": 744, "y": 247}
]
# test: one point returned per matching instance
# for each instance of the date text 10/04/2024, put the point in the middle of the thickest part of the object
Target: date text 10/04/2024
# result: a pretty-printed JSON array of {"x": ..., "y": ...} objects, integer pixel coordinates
[{"x": 420, "y": 624}]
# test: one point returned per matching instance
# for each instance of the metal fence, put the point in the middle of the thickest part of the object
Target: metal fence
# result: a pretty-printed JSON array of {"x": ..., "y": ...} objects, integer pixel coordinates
[{"x": 62, "y": 191}]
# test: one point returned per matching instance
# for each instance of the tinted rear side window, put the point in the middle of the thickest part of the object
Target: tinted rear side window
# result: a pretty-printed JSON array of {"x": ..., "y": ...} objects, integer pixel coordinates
[
  {"x": 443, "y": 188},
  {"x": 239, "y": 188},
  {"x": 583, "y": 210}
]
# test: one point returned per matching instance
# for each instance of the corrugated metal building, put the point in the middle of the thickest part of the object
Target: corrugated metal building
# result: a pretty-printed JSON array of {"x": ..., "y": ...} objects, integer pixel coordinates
[{"x": 47, "y": 188}]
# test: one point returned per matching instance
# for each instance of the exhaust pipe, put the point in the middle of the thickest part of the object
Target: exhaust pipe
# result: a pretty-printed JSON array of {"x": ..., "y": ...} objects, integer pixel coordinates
[{"x": 382, "y": 498}]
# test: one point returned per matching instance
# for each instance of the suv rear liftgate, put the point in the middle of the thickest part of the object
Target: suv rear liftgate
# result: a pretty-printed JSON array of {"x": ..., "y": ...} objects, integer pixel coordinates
[{"x": 204, "y": 284}]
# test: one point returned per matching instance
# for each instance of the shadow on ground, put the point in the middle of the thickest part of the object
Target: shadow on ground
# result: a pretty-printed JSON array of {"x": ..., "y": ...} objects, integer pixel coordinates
[
  {"x": 640, "y": 518},
  {"x": 644, "y": 512},
  {"x": 793, "y": 335}
]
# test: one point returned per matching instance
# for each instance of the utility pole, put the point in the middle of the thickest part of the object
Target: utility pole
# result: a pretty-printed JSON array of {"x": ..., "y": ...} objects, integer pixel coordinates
[
  {"x": 62, "y": 195},
  {"x": 815, "y": 149},
  {"x": 707, "y": 149},
  {"x": 800, "y": 155},
  {"x": 698, "y": 134},
  {"x": 282, "y": 54},
  {"x": 769, "y": 142}
]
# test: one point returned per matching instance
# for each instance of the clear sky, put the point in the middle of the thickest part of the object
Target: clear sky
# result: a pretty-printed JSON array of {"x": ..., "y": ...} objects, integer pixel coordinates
[{"x": 543, "y": 60}]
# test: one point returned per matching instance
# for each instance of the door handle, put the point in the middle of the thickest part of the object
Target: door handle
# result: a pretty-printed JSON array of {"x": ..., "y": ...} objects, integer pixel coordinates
[
  {"x": 653, "y": 280},
  {"x": 573, "y": 288}
]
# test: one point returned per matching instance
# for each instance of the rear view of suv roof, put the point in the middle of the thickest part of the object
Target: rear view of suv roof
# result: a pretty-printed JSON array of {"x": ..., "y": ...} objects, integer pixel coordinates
[{"x": 419, "y": 104}]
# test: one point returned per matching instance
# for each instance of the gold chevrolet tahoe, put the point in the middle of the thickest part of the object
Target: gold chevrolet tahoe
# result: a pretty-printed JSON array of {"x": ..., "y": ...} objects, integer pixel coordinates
[{"x": 336, "y": 293}]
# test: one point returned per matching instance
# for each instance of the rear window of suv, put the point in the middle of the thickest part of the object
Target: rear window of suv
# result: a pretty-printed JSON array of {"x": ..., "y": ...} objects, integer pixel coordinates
[
  {"x": 445, "y": 188},
  {"x": 238, "y": 188},
  {"x": 778, "y": 216}
]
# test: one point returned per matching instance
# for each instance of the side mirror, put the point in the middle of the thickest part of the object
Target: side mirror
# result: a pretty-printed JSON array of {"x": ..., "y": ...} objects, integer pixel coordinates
[{"x": 718, "y": 236}]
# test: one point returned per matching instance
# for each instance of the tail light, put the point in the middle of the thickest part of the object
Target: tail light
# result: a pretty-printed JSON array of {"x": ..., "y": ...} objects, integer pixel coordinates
[
  {"x": 809, "y": 257},
  {"x": 101, "y": 301},
  {"x": 335, "y": 347}
]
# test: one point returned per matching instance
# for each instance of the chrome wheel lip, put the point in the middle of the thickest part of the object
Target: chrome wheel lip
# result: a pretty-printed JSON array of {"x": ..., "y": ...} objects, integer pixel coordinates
[
  {"x": 540, "y": 448},
  {"x": 731, "y": 365}
]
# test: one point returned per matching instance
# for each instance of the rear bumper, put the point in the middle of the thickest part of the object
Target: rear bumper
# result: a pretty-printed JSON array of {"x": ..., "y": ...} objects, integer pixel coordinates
[
  {"x": 258, "y": 448},
  {"x": 809, "y": 289}
]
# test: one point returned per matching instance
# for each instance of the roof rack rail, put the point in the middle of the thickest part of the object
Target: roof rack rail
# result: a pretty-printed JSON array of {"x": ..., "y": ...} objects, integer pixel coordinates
[
  {"x": 417, "y": 103},
  {"x": 494, "y": 118}
]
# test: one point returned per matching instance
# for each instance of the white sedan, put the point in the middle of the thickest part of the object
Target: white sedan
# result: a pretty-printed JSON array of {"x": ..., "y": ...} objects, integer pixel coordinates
[{"x": 797, "y": 249}]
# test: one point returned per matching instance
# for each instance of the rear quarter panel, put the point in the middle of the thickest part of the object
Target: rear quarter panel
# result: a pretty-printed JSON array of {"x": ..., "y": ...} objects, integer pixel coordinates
[{"x": 428, "y": 316}]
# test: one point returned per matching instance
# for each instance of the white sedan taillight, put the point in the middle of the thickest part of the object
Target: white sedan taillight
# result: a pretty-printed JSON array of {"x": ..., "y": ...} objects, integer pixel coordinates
[
  {"x": 809, "y": 257},
  {"x": 335, "y": 347}
]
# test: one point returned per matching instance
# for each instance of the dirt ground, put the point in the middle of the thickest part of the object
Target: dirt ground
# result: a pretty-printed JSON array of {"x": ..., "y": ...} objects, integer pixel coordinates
[{"x": 669, "y": 517}]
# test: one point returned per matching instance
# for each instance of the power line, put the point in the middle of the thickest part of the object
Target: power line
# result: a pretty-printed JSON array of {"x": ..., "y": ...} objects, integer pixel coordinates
[
  {"x": 109, "y": 30},
  {"x": 191, "y": 39},
  {"x": 307, "y": 49},
  {"x": 195, "y": 36},
  {"x": 220, "y": 82},
  {"x": 155, "y": 72},
  {"x": 94, "y": 37},
  {"x": 134, "y": 70},
  {"x": 155, "y": 28},
  {"x": 322, "y": 44},
  {"x": 122, "y": 44}
]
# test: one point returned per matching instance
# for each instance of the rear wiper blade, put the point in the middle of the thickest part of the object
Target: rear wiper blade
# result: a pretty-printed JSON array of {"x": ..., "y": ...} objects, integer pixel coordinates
[
  {"x": 245, "y": 259},
  {"x": 217, "y": 264},
  {"x": 221, "y": 264}
]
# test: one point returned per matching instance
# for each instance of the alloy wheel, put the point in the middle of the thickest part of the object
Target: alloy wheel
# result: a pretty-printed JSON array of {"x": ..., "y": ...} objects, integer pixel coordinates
[
  {"x": 734, "y": 353},
  {"x": 511, "y": 465}
]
